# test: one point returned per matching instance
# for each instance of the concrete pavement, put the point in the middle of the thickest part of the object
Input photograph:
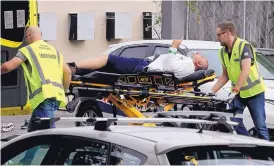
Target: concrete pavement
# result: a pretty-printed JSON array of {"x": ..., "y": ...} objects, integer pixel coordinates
[{"x": 18, "y": 121}]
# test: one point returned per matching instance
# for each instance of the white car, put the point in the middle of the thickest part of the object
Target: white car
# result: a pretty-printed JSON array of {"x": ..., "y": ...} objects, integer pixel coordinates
[
  {"x": 135, "y": 145},
  {"x": 146, "y": 48}
]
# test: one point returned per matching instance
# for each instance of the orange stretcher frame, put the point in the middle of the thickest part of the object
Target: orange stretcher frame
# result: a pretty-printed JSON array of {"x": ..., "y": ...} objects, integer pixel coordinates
[{"x": 128, "y": 101}]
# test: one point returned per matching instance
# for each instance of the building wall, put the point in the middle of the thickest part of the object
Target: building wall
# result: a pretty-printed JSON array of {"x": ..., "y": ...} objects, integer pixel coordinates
[
  {"x": 173, "y": 20},
  {"x": 78, "y": 50},
  {"x": 198, "y": 20}
]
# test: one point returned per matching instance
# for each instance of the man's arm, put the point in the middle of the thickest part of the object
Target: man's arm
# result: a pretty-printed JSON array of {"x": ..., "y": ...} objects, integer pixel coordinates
[
  {"x": 176, "y": 43},
  {"x": 11, "y": 64},
  {"x": 247, "y": 61},
  {"x": 223, "y": 79},
  {"x": 93, "y": 63},
  {"x": 174, "y": 47},
  {"x": 66, "y": 76}
]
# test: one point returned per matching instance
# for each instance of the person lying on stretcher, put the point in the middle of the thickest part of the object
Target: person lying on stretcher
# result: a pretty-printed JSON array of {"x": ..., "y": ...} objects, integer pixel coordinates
[{"x": 172, "y": 62}]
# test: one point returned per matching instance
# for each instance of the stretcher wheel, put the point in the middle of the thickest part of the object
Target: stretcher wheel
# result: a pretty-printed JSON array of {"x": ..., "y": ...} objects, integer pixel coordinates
[{"x": 88, "y": 109}]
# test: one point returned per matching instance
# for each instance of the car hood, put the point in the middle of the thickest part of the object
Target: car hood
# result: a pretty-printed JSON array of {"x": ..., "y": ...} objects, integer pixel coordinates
[{"x": 269, "y": 93}]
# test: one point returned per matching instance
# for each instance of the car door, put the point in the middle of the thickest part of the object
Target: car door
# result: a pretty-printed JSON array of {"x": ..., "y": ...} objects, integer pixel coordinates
[
  {"x": 35, "y": 150},
  {"x": 89, "y": 151},
  {"x": 135, "y": 51}
]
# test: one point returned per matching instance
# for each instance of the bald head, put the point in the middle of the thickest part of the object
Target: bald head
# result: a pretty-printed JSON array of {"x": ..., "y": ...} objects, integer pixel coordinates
[
  {"x": 200, "y": 62},
  {"x": 33, "y": 34}
]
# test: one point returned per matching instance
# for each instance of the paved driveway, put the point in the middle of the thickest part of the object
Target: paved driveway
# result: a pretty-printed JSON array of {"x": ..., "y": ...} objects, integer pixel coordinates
[{"x": 18, "y": 121}]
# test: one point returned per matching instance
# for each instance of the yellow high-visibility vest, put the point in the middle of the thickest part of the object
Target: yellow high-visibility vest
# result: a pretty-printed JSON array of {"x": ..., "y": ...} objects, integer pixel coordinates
[
  {"x": 43, "y": 73},
  {"x": 254, "y": 84}
]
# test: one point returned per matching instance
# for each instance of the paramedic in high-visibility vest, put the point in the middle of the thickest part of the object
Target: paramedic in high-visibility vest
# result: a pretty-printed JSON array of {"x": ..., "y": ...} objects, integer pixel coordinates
[
  {"x": 46, "y": 74},
  {"x": 239, "y": 65}
]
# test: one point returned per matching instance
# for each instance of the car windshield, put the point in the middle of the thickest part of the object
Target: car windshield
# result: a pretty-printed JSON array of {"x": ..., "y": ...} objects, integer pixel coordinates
[
  {"x": 265, "y": 67},
  {"x": 222, "y": 155}
]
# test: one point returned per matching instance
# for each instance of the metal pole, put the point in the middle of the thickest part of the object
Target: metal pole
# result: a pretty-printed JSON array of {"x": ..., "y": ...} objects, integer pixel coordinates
[
  {"x": 187, "y": 19},
  {"x": 267, "y": 22},
  {"x": 244, "y": 18}
]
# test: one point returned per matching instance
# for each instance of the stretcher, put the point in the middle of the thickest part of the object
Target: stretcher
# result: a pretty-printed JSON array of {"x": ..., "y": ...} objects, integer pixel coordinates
[{"x": 130, "y": 92}]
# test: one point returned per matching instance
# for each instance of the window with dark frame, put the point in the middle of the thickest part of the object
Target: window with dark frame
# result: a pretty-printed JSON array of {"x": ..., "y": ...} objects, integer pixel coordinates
[
  {"x": 211, "y": 155},
  {"x": 85, "y": 152},
  {"x": 120, "y": 155},
  {"x": 135, "y": 52},
  {"x": 38, "y": 146}
]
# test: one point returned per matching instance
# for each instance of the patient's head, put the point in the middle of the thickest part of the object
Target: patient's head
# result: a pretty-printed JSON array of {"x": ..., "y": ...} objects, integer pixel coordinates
[{"x": 200, "y": 62}]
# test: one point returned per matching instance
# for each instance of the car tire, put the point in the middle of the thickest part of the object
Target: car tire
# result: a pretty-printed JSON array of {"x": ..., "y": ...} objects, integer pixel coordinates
[{"x": 91, "y": 109}]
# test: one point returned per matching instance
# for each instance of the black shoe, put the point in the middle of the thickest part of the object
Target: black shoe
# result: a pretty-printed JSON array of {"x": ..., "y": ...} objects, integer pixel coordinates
[{"x": 25, "y": 126}]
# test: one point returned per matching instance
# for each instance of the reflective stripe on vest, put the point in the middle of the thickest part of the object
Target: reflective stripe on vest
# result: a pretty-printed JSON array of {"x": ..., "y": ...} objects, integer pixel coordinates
[
  {"x": 41, "y": 74},
  {"x": 250, "y": 84},
  {"x": 58, "y": 57}
]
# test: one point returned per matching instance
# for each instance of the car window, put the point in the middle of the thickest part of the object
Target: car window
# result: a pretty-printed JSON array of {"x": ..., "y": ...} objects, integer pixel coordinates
[
  {"x": 30, "y": 151},
  {"x": 11, "y": 12},
  {"x": 85, "y": 152},
  {"x": 268, "y": 54},
  {"x": 31, "y": 156},
  {"x": 222, "y": 155},
  {"x": 120, "y": 155},
  {"x": 215, "y": 63},
  {"x": 162, "y": 50},
  {"x": 115, "y": 51},
  {"x": 265, "y": 66},
  {"x": 135, "y": 52}
]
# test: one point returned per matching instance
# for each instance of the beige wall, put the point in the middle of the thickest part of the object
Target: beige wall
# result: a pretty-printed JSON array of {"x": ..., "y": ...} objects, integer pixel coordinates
[{"x": 78, "y": 50}]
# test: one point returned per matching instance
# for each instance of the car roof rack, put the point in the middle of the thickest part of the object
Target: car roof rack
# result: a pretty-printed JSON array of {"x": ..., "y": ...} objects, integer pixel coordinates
[
  {"x": 198, "y": 113},
  {"x": 220, "y": 117},
  {"x": 103, "y": 124},
  {"x": 8, "y": 138}
]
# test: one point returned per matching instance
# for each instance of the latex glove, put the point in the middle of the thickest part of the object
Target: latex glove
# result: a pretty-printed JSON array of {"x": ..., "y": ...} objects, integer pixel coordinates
[
  {"x": 214, "y": 96},
  {"x": 67, "y": 90},
  {"x": 231, "y": 96},
  {"x": 211, "y": 94}
]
